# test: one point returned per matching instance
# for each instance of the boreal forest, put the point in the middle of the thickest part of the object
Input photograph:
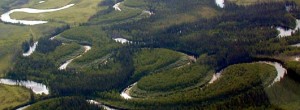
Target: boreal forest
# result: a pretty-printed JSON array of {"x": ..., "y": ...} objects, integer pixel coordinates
[{"x": 149, "y": 54}]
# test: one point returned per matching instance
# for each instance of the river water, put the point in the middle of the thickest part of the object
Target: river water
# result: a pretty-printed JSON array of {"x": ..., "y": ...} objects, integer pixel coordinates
[
  {"x": 31, "y": 50},
  {"x": 126, "y": 92},
  {"x": 6, "y": 16},
  {"x": 65, "y": 65},
  {"x": 121, "y": 40},
  {"x": 37, "y": 88},
  {"x": 285, "y": 33},
  {"x": 117, "y": 6},
  {"x": 281, "y": 71},
  {"x": 220, "y": 3}
]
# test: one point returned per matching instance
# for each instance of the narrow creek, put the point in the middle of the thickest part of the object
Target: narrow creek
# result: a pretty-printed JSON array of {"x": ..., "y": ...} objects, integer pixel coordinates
[
  {"x": 126, "y": 92},
  {"x": 281, "y": 72},
  {"x": 65, "y": 65},
  {"x": 117, "y": 6},
  {"x": 31, "y": 49}
]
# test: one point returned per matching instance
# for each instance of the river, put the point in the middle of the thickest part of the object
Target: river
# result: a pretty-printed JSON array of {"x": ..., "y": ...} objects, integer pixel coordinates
[
  {"x": 65, "y": 65},
  {"x": 121, "y": 40},
  {"x": 281, "y": 71},
  {"x": 117, "y": 6},
  {"x": 282, "y": 32},
  {"x": 126, "y": 92},
  {"x": 37, "y": 88},
  {"x": 31, "y": 50},
  {"x": 100, "y": 105},
  {"x": 89, "y": 101},
  {"x": 41, "y": 1},
  {"x": 220, "y": 3},
  {"x": 23, "y": 108},
  {"x": 285, "y": 33},
  {"x": 6, "y": 16}
]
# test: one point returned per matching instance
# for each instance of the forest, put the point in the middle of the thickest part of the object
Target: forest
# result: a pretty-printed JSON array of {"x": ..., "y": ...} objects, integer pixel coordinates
[{"x": 169, "y": 59}]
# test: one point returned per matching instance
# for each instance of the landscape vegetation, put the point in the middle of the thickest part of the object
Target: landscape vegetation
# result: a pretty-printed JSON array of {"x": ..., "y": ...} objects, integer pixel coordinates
[{"x": 150, "y": 54}]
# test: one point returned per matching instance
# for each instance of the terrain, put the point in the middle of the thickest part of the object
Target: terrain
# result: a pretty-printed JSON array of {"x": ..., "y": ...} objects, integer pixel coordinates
[
  {"x": 150, "y": 54},
  {"x": 13, "y": 96}
]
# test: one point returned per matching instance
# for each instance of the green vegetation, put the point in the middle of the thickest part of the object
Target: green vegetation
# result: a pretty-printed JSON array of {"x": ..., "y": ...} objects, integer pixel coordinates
[
  {"x": 173, "y": 79},
  {"x": 5, "y": 5},
  {"x": 43, "y": 67},
  {"x": 128, "y": 13},
  {"x": 65, "y": 52},
  {"x": 160, "y": 56},
  {"x": 244, "y": 82},
  {"x": 250, "y": 2},
  {"x": 63, "y": 103},
  {"x": 13, "y": 35},
  {"x": 153, "y": 60},
  {"x": 286, "y": 94},
  {"x": 77, "y": 14},
  {"x": 12, "y": 96}
]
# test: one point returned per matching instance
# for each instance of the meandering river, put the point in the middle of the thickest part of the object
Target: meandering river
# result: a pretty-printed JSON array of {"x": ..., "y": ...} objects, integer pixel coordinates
[
  {"x": 282, "y": 32},
  {"x": 281, "y": 71},
  {"x": 6, "y": 16},
  {"x": 285, "y": 33},
  {"x": 39, "y": 88}
]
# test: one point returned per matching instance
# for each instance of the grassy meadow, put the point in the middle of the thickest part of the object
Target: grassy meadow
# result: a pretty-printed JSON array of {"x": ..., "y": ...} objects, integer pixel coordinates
[
  {"x": 12, "y": 96},
  {"x": 11, "y": 35},
  {"x": 79, "y": 13}
]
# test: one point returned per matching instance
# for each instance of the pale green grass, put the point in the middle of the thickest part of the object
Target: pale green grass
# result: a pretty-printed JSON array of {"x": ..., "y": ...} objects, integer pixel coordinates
[
  {"x": 12, "y": 96},
  {"x": 12, "y": 36},
  {"x": 79, "y": 13},
  {"x": 5, "y": 62}
]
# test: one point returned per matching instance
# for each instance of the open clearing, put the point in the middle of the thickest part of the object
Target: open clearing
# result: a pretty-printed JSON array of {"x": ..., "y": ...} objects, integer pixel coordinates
[{"x": 12, "y": 96}]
